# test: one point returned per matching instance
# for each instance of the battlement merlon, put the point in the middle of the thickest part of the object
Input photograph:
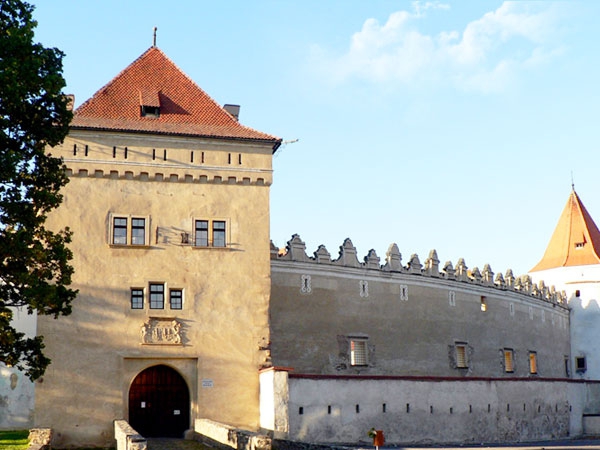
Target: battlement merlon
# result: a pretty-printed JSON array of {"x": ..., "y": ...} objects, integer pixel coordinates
[{"x": 295, "y": 250}]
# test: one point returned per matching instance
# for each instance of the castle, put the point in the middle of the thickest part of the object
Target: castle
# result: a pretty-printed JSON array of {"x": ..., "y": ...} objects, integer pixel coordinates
[{"x": 187, "y": 311}]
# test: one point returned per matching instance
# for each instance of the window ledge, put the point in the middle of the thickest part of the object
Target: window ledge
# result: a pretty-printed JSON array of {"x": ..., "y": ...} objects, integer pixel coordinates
[
  {"x": 209, "y": 247},
  {"x": 129, "y": 246}
]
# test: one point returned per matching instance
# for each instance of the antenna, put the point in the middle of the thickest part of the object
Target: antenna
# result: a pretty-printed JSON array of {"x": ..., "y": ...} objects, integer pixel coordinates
[
  {"x": 154, "y": 39},
  {"x": 572, "y": 182}
]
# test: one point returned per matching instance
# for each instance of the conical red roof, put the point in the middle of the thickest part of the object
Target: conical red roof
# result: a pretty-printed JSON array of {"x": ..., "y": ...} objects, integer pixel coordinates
[
  {"x": 184, "y": 108},
  {"x": 575, "y": 241}
]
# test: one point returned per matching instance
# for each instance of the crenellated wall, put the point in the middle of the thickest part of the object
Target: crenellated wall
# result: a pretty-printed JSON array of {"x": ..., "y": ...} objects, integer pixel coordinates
[{"x": 295, "y": 250}]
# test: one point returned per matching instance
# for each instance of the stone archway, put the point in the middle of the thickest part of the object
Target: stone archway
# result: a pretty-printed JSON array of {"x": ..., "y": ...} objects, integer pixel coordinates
[{"x": 159, "y": 403}]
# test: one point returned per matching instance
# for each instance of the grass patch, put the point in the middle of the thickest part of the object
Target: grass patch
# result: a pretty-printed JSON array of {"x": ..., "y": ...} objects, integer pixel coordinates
[{"x": 14, "y": 440}]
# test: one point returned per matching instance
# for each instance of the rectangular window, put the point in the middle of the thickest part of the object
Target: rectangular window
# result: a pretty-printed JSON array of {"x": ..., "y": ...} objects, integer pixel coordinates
[
  {"x": 210, "y": 233},
  {"x": 358, "y": 352},
  {"x": 138, "y": 231},
  {"x": 508, "y": 360},
  {"x": 461, "y": 356},
  {"x": 201, "y": 233},
  {"x": 532, "y": 363},
  {"x": 128, "y": 230},
  {"x": 137, "y": 298},
  {"x": 119, "y": 231},
  {"x": 157, "y": 296},
  {"x": 219, "y": 233},
  {"x": 176, "y": 299},
  {"x": 580, "y": 364}
]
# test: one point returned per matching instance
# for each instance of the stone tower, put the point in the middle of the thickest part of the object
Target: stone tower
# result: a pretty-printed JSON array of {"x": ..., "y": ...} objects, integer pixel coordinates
[
  {"x": 572, "y": 263},
  {"x": 168, "y": 201}
]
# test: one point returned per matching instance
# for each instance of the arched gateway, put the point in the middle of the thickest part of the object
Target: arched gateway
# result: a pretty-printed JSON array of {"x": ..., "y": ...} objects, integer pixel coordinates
[{"x": 159, "y": 403}]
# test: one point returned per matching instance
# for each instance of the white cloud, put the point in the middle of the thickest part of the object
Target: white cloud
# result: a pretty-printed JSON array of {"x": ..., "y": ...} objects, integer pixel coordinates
[{"x": 486, "y": 55}]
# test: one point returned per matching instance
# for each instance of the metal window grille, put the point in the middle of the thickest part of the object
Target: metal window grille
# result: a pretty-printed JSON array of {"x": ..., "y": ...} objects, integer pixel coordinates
[{"x": 358, "y": 352}]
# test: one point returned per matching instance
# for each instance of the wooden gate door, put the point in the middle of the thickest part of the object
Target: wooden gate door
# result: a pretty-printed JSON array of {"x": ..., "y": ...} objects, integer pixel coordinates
[{"x": 159, "y": 403}]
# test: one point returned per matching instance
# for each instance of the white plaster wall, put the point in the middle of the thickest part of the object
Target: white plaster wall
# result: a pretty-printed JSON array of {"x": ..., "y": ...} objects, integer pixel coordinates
[
  {"x": 433, "y": 411},
  {"x": 16, "y": 390},
  {"x": 274, "y": 402},
  {"x": 584, "y": 315}
]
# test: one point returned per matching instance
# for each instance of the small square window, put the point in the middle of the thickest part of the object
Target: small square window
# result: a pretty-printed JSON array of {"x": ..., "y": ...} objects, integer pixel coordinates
[
  {"x": 176, "y": 299},
  {"x": 508, "y": 360},
  {"x": 580, "y": 364},
  {"x": 358, "y": 352},
  {"x": 157, "y": 296},
  {"x": 137, "y": 298}
]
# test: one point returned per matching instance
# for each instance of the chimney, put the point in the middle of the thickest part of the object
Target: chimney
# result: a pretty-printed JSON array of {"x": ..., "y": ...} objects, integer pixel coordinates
[{"x": 234, "y": 110}]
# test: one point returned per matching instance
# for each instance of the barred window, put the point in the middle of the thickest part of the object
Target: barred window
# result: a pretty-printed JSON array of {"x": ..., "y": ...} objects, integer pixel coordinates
[{"x": 358, "y": 352}]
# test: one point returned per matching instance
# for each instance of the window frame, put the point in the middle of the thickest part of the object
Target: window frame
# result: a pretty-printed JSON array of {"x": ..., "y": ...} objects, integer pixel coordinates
[
  {"x": 132, "y": 296},
  {"x": 213, "y": 236},
  {"x": 171, "y": 291},
  {"x": 152, "y": 293},
  {"x": 129, "y": 230}
]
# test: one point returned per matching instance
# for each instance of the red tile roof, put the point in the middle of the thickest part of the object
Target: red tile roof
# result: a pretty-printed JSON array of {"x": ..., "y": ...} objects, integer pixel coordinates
[
  {"x": 575, "y": 241},
  {"x": 185, "y": 109}
]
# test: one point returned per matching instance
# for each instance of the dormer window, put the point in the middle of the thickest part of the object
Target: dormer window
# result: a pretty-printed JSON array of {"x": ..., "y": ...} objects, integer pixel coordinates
[
  {"x": 149, "y": 103},
  {"x": 150, "y": 111}
]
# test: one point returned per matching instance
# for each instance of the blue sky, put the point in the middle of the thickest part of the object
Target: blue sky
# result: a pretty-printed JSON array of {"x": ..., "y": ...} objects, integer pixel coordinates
[{"x": 454, "y": 126}]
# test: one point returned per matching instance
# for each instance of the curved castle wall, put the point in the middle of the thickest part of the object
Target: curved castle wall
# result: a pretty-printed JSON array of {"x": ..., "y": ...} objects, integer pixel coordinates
[{"x": 442, "y": 346}]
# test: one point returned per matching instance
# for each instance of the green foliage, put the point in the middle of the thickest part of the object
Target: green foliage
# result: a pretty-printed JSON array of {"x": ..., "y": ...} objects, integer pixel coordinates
[
  {"x": 14, "y": 440},
  {"x": 35, "y": 269}
]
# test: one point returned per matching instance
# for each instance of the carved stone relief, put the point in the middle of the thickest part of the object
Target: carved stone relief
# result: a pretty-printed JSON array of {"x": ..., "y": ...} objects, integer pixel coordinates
[{"x": 161, "y": 331}]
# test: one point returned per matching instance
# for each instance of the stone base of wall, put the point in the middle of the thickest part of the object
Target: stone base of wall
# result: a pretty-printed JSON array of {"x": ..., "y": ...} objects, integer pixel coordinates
[
  {"x": 225, "y": 437},
  {"x": 40, "y": 439}
]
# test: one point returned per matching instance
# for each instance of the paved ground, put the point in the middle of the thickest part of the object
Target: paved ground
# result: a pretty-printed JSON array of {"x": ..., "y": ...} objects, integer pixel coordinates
[
  {"x": 174, "y": 444},
  {"x": 587, "y": 444}
]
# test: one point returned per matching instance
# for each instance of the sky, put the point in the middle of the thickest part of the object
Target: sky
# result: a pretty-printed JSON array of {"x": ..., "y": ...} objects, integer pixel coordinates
[{"x": 458, "y": 126}]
